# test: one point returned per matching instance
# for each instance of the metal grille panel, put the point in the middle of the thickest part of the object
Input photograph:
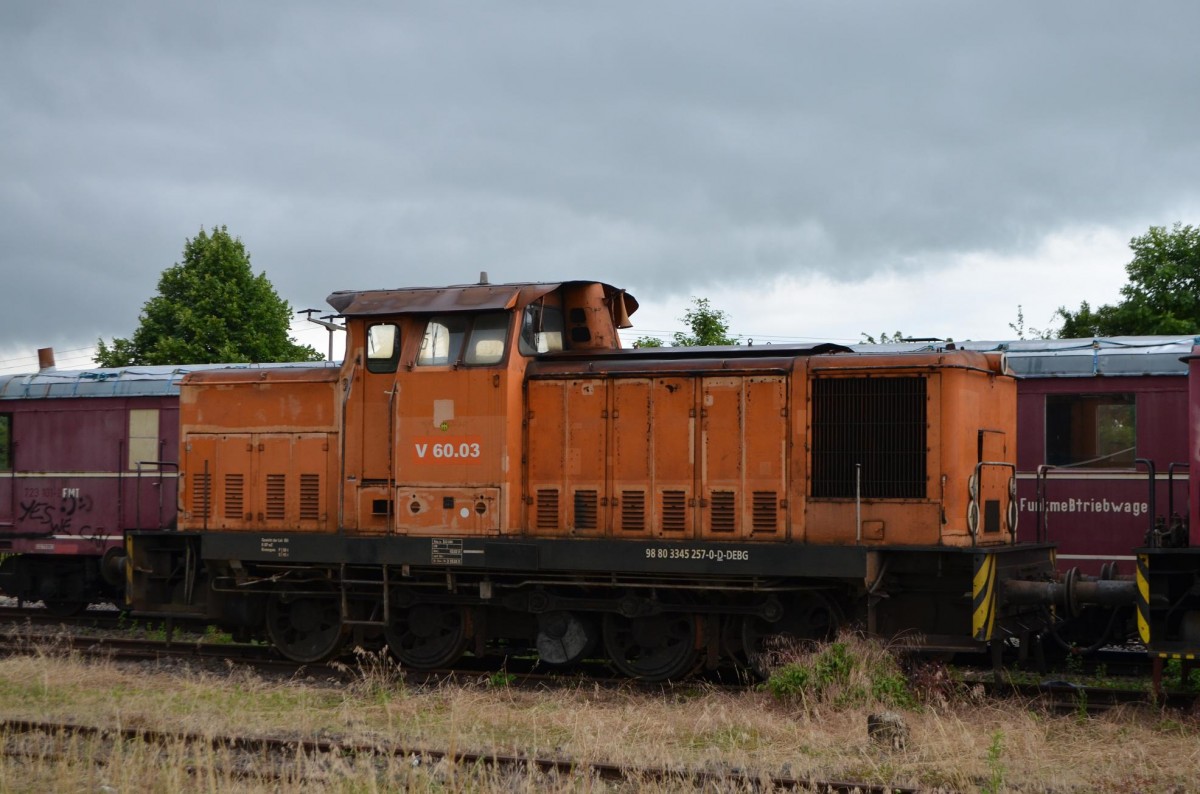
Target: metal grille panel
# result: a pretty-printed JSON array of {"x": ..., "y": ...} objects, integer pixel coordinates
[
  {"x": 276, "y": 497},
  {"x": 310, "y": 497},
  {"x": 235, "y": 496},
  {"x": 633, "y": 511},
  {"x": 766, "y": 513},
  {"x": 723, "y": 516},
  {"x": 201, "y": 495},
  {"x": 674, "y": 511},
  {"x": 585, "y": 509},
  {"x": 547, "y": 508},
  {"x": 878, "y": 423}
]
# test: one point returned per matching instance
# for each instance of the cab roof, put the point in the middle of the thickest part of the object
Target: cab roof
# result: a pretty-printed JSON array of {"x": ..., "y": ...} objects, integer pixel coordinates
[{"x": 459, "y": 298}]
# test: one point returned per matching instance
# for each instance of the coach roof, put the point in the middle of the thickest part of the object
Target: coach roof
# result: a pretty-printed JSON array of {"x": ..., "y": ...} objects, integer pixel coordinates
[{"x": 144, "y": 381}]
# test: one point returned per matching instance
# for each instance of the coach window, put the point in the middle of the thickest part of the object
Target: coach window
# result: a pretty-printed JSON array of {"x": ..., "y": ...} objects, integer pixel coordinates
[
  {"x": 443, "y": 340},
  {"x": 1091, "y": 430},
  {"x": 5, "y": 442},
  {"x": 486, "y": 344},
  {"x": 383, "y": 348},
  {"x": 143, "y": 438}
]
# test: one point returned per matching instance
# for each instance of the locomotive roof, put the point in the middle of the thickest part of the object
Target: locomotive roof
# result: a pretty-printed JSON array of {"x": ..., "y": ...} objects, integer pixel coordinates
[
  {"x": 458, "y": 298},
  {"x": 1075, "y": 358},
  {"x": 146, "y": 381}
]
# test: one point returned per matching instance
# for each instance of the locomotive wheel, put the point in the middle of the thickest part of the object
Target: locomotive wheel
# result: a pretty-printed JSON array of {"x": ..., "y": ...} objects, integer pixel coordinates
[
  {"x": 806, "y": 618},
  {"x": 64, "y": 607},
  {"x": 652, "y": 648},
  {"x": 425, "y": 636},
  {"x": 305, "y": 627},
  {"x": 565, "y": 638}
]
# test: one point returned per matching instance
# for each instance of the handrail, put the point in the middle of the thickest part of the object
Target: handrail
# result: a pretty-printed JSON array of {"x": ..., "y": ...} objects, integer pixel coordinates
[
  {"x": 1171, "y": 486},
  {"x": 1003, "y": 464},
  {"x": 1153, "y": 512},
  {"x": 138, "y": 489}
]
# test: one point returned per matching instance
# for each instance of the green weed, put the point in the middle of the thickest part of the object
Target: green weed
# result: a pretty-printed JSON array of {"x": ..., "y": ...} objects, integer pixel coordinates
[
  {"x": 995, "y": 782},
  {"x": 845, "y": 673}
]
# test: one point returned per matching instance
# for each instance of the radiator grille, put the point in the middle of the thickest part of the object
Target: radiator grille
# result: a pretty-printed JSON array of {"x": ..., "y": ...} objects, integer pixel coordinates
[
  {"x": 585, "y": 509},
  {"x": 879, "y": 423},
  {"x": 766, "y": 513},
  {"x": 235, "y": 496},
  {"x": 310, "y": 497},
  {"x": 276, "y": 497},
  {"x": 633, "y": 511},
  {"x": 201, "y": 495},
  {"x": 547, "y": 508},
  {"x": 674, "y": 511},
  {"x": 723, "y": 516}
]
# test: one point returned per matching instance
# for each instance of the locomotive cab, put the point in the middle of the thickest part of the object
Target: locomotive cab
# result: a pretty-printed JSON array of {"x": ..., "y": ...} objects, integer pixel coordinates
[{"x": 433, "y": 384}]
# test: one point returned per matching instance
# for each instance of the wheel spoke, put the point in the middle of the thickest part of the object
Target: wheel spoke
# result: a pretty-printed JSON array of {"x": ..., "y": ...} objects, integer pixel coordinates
[
  {"x": 305, "y": 628},
  {"x": 425, "y": 636},
  {"x": 806, "y": 618},
  {"x": 564, "y": 638},
  {"x": 653, "y": 648}
]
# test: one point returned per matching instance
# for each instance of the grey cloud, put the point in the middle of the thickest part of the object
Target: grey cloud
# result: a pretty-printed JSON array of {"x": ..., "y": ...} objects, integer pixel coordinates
[{"x": 670, "y": 147}]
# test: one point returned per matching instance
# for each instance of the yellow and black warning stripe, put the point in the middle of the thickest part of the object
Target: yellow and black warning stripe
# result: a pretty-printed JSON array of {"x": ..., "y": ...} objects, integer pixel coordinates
[
  {"x": 1143, "y": 598},
  {"x": 983, "y": 597}
]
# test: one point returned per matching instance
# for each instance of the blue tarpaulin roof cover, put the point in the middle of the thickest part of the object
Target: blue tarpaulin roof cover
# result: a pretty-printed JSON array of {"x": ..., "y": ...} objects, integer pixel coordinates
[
  {"x": 1072, "y": 358},
  {"x": 116, "y": 382}
]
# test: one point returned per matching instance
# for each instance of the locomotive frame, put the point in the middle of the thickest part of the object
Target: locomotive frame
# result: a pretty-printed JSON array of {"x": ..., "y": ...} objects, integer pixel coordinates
[{"x": 489, "y": 470}]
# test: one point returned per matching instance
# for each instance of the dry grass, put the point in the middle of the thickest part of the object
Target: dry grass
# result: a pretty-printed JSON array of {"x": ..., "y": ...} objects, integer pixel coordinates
[{"x": 962, "y": 743}]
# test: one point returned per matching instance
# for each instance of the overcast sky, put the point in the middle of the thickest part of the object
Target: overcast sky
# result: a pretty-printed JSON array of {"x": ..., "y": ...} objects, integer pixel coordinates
[{"x": 815, "y": 169}]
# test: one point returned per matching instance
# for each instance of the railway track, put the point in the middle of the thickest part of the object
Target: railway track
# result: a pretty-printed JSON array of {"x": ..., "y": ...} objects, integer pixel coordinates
[
  {"x": 1059, "y": 690},
  {"x": 272, "y": 759}
]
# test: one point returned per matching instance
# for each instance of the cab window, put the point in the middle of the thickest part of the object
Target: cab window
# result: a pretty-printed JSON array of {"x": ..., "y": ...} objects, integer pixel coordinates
[
  {"x": 541, "y": 329},
  {"x": 488, "y": 335},
  {"x": 443, "y": 340},
  {"x": 474, "y": 340},
  {"x": 383, "y": 347}
]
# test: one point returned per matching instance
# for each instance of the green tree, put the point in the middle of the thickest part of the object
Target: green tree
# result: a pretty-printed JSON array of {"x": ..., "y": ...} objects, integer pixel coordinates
[
  {"x": 884, "y": 338},
  {"x": 1024, "y": 331},
  {"x": 210, "y": 308},
  {"x": 1163, "y": 293},
  {"x": 709, "y": 326}
]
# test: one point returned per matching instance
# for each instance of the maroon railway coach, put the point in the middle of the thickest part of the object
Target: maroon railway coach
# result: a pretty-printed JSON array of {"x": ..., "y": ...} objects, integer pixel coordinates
[
  {"x": 84, "y": 456},
  {"x": 1101, "y": 443}
]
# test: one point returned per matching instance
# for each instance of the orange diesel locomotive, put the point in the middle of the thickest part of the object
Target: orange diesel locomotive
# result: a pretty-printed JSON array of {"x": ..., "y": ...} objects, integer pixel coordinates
[{"x": 490, "y": 471}]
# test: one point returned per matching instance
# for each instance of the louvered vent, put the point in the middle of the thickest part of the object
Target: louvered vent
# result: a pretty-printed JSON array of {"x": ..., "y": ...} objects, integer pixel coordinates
[
  {"x": 547, "y": 508},
  {"x": 585, "y": 509},
  {"x": 766, "y": 515},
  {"x": 276, "y": 497},
  {"x": 633, "y": 511},
  {"x": 723, "y": 516},
  {"x": 674, "y": 511},
  {"x": 310, "y": 497},
  {"x": 201, "y": 495},
  {"x": 235, "y": 496}
]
